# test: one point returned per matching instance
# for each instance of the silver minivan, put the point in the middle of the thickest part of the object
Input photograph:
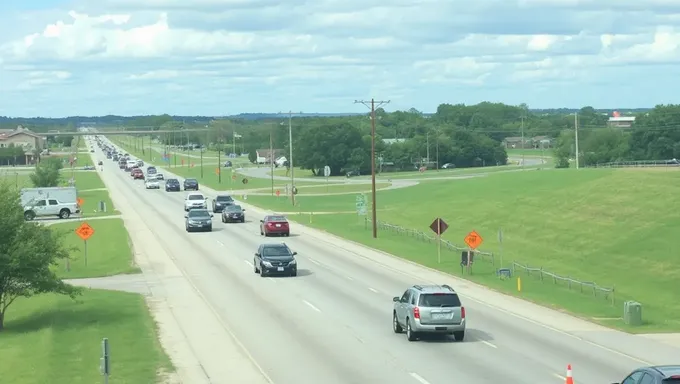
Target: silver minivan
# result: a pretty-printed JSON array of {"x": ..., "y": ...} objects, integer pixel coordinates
[{"x": 429, "y": 309}]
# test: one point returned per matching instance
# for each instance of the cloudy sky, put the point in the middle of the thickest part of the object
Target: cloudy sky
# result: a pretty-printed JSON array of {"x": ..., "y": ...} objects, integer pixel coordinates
[{"x": 218, "y": 57}]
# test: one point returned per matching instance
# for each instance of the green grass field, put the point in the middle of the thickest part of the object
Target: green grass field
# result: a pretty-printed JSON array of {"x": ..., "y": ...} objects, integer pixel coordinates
[
  {"x": 612, "y": 227},
  {"x": 53, "y": 339},
  {"x": 108, "y": 252},
  {"x": 82, "y": 159}
]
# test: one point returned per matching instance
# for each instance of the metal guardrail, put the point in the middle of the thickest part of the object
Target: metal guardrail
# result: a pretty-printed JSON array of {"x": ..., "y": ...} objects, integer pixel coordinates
[
  {"x": 422, "y": 236},
  {"x": 571, "y": 283}
]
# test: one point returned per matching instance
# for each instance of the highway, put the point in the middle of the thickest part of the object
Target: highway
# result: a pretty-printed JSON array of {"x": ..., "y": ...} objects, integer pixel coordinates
[{"x": 332, "y": 323}]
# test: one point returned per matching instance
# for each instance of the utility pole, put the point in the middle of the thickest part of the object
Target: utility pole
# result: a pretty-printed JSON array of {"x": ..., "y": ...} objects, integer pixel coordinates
[
  {"x": 437, "y": 131},
  {"x": 271, "y": 159},
  {"x": 372, "y": 105},
  {"x": 290, "y": 161},
  {"x": 576, "y": 138},
  {"x": 522, "y": 141},
  {"x": 427, "y": 144},
  {"x": 174, "y": 145}
]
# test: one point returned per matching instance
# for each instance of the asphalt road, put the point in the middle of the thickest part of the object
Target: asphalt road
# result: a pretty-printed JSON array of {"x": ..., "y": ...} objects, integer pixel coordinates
[{"x": 332, "y": 323}]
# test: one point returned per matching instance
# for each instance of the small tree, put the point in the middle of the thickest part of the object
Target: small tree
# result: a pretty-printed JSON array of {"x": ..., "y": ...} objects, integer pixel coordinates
[
  {"x": 47, "y": 173},
  {"x": 28, "y": 253}
]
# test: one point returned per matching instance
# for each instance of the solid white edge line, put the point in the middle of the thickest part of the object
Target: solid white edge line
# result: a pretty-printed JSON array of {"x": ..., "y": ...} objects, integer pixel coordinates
[
  {"x": 418, "y": 378},
  {"x": 560, "y": 377},
  {"x": 310, "y": 305},
  {"x": 489, "y": 344}
]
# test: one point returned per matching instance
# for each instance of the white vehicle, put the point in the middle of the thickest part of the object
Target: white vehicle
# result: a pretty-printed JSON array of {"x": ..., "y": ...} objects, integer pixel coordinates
[
  {"x": 58, "y": 201},
  {"x": 152, "y": 183},
  {"x": 195, "y": 200}
]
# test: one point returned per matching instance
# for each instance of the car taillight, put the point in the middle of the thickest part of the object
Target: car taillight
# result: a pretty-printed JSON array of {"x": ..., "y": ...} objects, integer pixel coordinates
[
  {"x": 416, "y": 313},
  {"x": 462, "y": 312},
  {"x": 270, "y": 224}
]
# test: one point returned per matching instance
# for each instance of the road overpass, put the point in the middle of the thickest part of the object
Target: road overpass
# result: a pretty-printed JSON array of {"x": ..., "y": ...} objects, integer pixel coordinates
[{"x": 129, "y": 132}]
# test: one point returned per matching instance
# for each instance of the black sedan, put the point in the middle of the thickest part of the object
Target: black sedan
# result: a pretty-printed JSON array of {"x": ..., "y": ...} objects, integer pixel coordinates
[
  {"x": 191, "y": 185},
  {"x": 233, "y": 214},
  {"x": 198, "y": 220},
  {"x": 221, "y": 202},
  {"x": 172, "y": 185},
  {"x": 275, "y": 259}
]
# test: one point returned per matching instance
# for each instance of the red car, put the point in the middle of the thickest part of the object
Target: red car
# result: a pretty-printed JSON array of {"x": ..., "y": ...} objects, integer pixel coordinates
[
  {"x": 137, "y": 174},
  {"x": 274, "y": 225}
]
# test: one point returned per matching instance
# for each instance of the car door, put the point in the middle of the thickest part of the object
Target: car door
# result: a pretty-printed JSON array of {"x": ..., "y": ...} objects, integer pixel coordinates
[
  {"x": 40, "y": 207},
  {"x": 401, "y": 307},
  {"x": 53, "y": 206}
]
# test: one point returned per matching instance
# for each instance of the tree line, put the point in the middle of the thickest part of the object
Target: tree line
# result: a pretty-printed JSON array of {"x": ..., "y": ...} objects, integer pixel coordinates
[{"x": 464, "y": 135}]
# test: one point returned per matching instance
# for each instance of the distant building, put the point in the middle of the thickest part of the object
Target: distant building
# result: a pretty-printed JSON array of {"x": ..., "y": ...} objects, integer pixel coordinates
[
  {"x": 392, "y": 141},
  {"x": 516, "y": 143},
  {"x": 621, "y": 121},
  {"x": 24, "y": 138},
  {"x": 541, "y": 142},
  {"x": 265, "y": 156}
]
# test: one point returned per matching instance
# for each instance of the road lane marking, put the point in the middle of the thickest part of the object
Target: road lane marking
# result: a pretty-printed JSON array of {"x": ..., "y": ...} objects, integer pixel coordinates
[
  {"x": 419, "y": 378},
  {"x": 310, "y": 305},
  {"x": 349, "y": 278},
  {"x": 220, "y": 243},
  {"x": 314, "y": 261},
  {"x": 272, "y": 280},
  {"x": 248, "y": 263},
  {"x": 489, "y": 344},
  {"x": 560, "y": 377},
  {"x": 373, "y": 290}
]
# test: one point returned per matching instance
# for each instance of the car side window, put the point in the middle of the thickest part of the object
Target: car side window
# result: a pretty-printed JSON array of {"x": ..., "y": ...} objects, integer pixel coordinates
[
  {"x": 413, "y": 299},
  {"x": 633, "y": 378},
  {"x": 41, "y": 203},
  {"x": 647, "y": 379},
  {"x": 53, "y": 202},
  {"x": 404, "y": 298}
]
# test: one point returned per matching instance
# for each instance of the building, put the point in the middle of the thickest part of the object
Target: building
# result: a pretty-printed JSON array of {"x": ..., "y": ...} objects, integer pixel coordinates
[
  {"x": 22, "y": 137},
  {"x": 621, "y": 121},
  {"x": 541, "y": 142},
  {"x": 392, "y": 141},
  {"x": 516, "y": 143},
  {"x": 265, "y": 156}
]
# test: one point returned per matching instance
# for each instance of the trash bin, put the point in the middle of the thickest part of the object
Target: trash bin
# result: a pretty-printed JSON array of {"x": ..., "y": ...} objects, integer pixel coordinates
[{"x": 632, "y": 313}]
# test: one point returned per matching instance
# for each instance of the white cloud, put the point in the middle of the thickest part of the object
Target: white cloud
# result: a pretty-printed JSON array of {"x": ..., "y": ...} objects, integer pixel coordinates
[{"x": 230, "y": 56}]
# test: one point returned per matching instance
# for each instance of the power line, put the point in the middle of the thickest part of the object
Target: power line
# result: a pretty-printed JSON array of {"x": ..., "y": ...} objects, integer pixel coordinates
[{"x": 372, "y": 105}]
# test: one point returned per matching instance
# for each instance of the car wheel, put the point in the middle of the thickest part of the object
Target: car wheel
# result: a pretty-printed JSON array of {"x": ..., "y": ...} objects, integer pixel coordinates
[
  {"x": 243, "y": 220},
  {"x": 410, "y": 335},
  {"x": 255, "y": 267},
  {"x": 396, "y": 327},
  {"x": 287, "y": 234},
  {"x": 459, "y": 335},
  {"x": 30, "y": 215},
  {"x": 262, "y": 273},
  {"x": 210, "y": 228},
  {"x": 222, "y": 218},
  {"x": 261, "y": 232},
  {"x": 188, "y": 230},
  {"x": 64, "y": 214},
  {"x": 293, "y": 274}
]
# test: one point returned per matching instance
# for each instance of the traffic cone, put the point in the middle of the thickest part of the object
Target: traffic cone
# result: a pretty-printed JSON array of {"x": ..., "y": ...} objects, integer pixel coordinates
[{"x": 570, "y": 379}]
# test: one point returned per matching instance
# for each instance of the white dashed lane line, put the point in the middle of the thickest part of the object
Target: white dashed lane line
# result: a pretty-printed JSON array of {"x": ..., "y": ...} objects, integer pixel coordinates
[
  {"x": 419, "y": 378},
  {"x": 312, "y": 306}
]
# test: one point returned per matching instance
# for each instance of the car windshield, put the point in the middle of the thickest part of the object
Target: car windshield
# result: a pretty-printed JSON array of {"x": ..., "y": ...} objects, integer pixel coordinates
[
  {"x": 196, "y": 197},
  {"x": 439, "y": 300},
  {"x": 172, "y": 181},
  {"x": 190, "y": 181},
  {"x": 276, "y": 251},
  {"x": 199, "y": 214},
  {"x": 224, "y": 198},
  {"x": 234, "y": 208},
  {"x": 276, "y": 218}
]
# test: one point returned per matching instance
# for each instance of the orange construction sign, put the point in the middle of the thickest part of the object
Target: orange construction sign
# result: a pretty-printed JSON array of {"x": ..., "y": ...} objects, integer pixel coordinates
[
  {"x": 473, "y": 240},
  {"x": 80, "y": 201},
  {"x": 85, "y": 231}
]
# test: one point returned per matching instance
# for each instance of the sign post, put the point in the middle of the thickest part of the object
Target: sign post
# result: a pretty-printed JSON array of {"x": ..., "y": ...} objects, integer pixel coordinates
[
  {"x": 326, "y": 174},
  {"x": 361, "y": 205},
  {"x": 439, "y": 226},
  {"x": 500, "y": 245},
  {"x": 84, "y": 232},
  {"x": 473, "y": 241},
  {"x": 105, "y": 360}
]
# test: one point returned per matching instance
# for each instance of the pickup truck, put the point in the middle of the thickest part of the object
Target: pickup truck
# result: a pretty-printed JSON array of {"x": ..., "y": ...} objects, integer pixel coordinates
[{"x": 50, "y": 207}]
